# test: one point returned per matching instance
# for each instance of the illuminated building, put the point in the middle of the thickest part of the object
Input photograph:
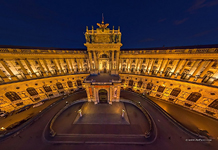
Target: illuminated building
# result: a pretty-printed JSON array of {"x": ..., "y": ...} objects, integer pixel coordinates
[{"x": 185, "y": 75}]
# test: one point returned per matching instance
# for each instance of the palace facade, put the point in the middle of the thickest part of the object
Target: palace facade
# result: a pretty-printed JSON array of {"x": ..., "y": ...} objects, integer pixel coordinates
[{"x": 185, "y": 76}]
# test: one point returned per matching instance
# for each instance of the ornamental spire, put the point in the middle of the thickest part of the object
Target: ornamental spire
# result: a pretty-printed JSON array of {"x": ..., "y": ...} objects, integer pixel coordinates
[
  {"x": 102, "y": 18},
  {"x": 102, "y": 25}
]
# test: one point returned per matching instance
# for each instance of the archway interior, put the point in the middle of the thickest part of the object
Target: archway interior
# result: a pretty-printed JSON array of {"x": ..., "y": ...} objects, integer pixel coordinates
[{"x": 103, "y": 97}]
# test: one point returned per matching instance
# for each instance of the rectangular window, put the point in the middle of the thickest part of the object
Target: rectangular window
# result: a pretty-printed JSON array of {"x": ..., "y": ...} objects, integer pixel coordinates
[{"x": 19, "y": 104}]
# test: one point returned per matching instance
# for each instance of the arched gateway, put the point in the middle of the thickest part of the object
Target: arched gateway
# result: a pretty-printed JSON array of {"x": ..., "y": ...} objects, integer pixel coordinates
[{"x": 103, "y": 96}]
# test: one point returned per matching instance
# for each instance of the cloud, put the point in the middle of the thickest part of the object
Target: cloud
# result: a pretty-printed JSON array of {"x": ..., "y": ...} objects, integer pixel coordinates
[
  {"x": 205, "y": 32},
  {"x": 178, "y": 22},
  {"x": 198, "y": 4},
  {"x": 162, "y": 20},
  {"x": 202, "y": 33}
]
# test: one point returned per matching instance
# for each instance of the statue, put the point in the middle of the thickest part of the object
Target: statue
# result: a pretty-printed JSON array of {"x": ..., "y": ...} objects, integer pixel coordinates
[
  {"x": 113, "y": 38},
  {"x": 87, "y": 36},
  {"x": 92, "y": 38},
  {"x": 118, "y": 38},
  {"x": 102, "y": 25}
]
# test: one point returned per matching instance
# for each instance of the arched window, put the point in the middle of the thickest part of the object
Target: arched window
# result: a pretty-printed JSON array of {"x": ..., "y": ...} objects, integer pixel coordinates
[
  {"x": 175, "y": 92},
  {"x": 12, "y": 96},
  {"x": 214, "y": 104},
  {"x": 47, "y": 88},
  {"x": 69, "y": 83},
  {"x": 32, "y": 91},
  {"x": 130, "y": 82},
  {"x": 123, "y": 81},
  {"x": 59, "y": 85},
  {"x": 194, "y": 96},
  {"x": 149, "y": 86},
  {"x": 161, "y": 89},
  {"x": 139, "y": 84},
  {"x": 79, "y": 83}
]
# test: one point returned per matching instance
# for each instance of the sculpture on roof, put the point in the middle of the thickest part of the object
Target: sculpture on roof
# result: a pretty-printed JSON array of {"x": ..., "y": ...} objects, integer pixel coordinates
[{"x": 102, "y": 25}]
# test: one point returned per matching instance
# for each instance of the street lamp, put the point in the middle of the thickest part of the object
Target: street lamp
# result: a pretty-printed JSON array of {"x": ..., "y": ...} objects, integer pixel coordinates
[{"x": 3, "y": 129}]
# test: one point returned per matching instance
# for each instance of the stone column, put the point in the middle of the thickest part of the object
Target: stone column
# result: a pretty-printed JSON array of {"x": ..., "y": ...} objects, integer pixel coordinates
[
  {"x": 4, "y": 77},
  {"x": 96, "y": 100},
  {"x": 178, "y": 66},
  {"x": 198, "y": 68},
  {"x": 110, "y": 102},
  {"x": 140, "y": 64},
  {"x": 207, "y": 68},
  {"x": 175, "y": 64},
  {"x": 59, "y": 64},
  {"x": 117, "y": 61},
  {"x": 24, "y": 70},
  {"x": 194, "y": 67},
  {"x": 78, "y": 65},
  {"x": 136, "y": 65},
  {"x": 82, "y": 64},
  {"x": 118, "y": 93},
  {"x": 112, "y": 60},
  {"x": 46, "y": 66},
  {"x": 29, "y": 67},
  {"x": 90, "y": 60},
  {"x": 165, "y": 68},
  {"x": 69, "y": 67},
  {"x": 58, "y": 73},
  {"x": 151, "y": 66},
  {"x": 40, "y": 65},
  {"x": 13, "y": 77},
  {"x": 183, "y": 68},
  {"x": 159, "y": 66},
  {"x": 71, "y": 61},
  {"x": 164, "y": 62},
  {"x": 8, "y": 69},
  {"x": 95, "y": 60},
  {"x": 129, "y": 65},
  {"x": 88, "y": 93}
]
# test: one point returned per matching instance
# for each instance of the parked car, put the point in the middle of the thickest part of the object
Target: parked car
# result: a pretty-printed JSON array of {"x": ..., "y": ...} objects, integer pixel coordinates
[
  {"x": 2, "y": 114},
  {"x": 38, "y": 104},
  {"x": 23, "y": 108}
]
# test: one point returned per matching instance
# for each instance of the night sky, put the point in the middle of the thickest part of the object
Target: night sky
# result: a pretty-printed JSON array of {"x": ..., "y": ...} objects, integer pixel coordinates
[{"x": 143, "y": 23}]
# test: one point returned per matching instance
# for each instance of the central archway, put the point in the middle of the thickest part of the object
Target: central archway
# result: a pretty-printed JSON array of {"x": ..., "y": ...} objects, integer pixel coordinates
[{"x": 103, "y": 97}]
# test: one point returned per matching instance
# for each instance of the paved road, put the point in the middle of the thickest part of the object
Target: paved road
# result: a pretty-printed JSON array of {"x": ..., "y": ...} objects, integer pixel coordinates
[
  {"x": 190, "y": 119},
  {"x": 5, "y": 122},
  {"x": 170, "y": 137}
]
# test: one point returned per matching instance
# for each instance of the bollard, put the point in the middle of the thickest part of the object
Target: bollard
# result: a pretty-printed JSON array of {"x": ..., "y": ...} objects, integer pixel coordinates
[
  {"x": 123, "y": 112},
  {"x": 80, "y": 112}
]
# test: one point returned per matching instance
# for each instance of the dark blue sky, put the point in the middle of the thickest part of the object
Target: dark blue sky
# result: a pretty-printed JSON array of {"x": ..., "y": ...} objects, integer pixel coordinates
[{"x": 143, "y": 23}]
